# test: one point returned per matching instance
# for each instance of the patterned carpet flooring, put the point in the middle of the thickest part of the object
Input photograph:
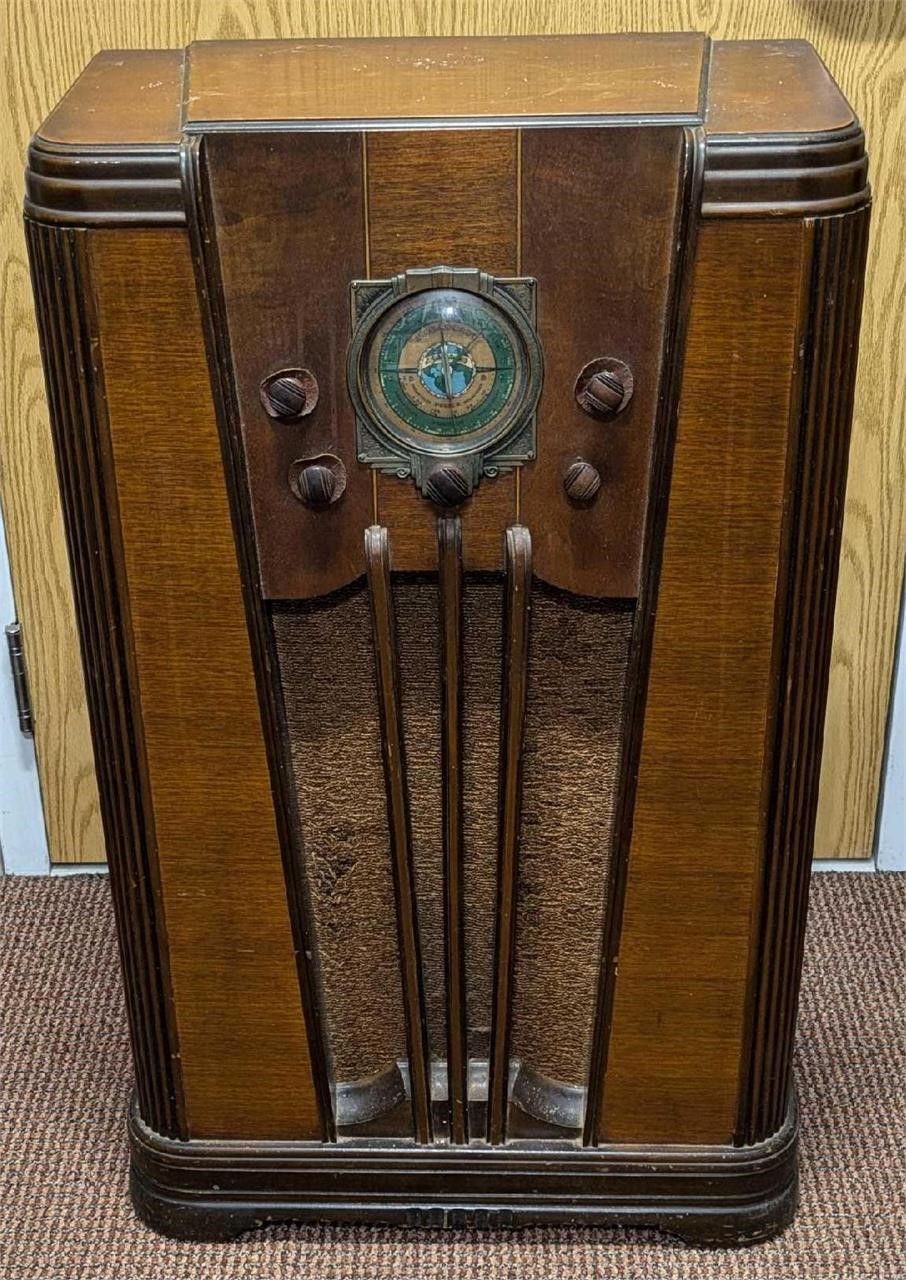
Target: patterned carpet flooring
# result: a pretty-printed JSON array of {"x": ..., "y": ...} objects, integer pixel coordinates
[{"x": 65, "y": 1072}]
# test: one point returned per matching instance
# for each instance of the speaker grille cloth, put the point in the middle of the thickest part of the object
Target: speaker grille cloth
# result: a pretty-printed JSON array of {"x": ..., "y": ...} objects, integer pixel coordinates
[
  {"x": 578, "y": 658},
  {"x": 577, "y": 675},
  {"x": 333, "y": 725}
]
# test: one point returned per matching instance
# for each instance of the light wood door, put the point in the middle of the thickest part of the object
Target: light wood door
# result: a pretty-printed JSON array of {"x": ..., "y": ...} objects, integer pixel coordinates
[{"x": 45, "y": 43}]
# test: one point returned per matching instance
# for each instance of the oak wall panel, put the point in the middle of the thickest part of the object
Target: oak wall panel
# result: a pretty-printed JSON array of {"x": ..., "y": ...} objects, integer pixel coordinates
[{"x": 43, "y": 46}]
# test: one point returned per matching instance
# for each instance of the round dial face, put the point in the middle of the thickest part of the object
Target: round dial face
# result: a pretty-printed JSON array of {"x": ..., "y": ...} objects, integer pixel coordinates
[{"x": 445, "y": 364}]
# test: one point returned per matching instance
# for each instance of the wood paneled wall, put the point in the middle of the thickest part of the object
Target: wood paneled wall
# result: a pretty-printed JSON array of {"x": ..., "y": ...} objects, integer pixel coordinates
[{"x": 43, "y": 46}]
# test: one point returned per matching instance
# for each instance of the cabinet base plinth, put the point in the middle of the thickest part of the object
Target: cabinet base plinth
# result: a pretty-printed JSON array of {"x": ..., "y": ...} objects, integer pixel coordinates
[{"x": 708, "y": 1196}]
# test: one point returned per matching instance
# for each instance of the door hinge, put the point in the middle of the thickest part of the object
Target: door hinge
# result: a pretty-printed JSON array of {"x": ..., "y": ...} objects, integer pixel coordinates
[{"x": 20, "y": 684}]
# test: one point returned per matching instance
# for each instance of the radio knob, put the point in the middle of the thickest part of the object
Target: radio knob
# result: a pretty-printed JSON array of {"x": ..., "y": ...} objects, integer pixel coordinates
[
  {"x": 604, "y": 392},
  {"x": 289, "y": 394},
  {"x": 317, "y": 486},
  {"x": 446, "y": 485},
  {"x": 582, "y": 481},
  {"x": 318, "y": 482},
  {"x": 604, "y": 387}
]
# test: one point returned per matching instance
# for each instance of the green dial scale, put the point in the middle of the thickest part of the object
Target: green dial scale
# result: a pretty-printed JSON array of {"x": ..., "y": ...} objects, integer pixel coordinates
[{"x": 445, "y": 369}]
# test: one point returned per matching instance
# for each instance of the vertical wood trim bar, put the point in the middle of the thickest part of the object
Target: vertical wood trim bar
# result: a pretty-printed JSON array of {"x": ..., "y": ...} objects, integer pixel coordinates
[
  {"x": 449, "y": 559},
  {"x": 377, "y": 565},
  {"x": 517, "y": 610},
  {"x": 61, "y": 279},
  {"x": 825, "y": 410}
]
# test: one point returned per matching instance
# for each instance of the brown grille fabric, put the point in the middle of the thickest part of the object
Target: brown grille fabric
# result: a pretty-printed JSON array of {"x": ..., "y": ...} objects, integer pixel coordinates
[
  {"x": 577, "y": 677},
  {"x": 576, "y": 681},
  {"x": 326, "y": 670}
]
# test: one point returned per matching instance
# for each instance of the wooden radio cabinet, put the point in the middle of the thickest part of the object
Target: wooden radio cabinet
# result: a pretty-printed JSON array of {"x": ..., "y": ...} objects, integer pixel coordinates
[{"x": 452, "y": 437}]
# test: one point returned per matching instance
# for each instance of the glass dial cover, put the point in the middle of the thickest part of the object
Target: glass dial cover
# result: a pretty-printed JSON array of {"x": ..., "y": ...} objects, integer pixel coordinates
[{"x": 444, "y": 363}]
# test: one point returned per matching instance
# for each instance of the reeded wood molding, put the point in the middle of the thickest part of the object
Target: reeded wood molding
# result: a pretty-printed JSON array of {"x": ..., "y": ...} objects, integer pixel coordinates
[
  {"x": 820, "y": 461},
  {"x": 787, "y": 175},
  {"x": 77, "y": 415},
  {"x": 102, "y": 186}
]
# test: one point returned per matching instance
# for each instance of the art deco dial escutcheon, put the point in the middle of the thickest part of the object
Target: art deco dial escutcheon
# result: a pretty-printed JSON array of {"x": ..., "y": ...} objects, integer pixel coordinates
[{"x": 444, "y": 371}]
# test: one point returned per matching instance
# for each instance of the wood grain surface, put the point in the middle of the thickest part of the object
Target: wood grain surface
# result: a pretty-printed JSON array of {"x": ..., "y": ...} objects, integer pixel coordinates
[
  {"x": 46, "y": 43},
  {"x": 374, "y": 80},
  {"x": 474, "y": 179},
  {"x": 699, "y": 824},
  {"x": 242, "y": 1040}
]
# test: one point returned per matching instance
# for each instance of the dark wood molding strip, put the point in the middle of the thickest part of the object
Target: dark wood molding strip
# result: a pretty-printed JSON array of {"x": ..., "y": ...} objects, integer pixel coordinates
[
  {"x": 703, "y": 1193},
  {"x": 646, "y": 608},
  {"x": 104, "y": 185},
  {"x": 75, "y": 393},
  {"x": 449, "y": 556},
  {"x": 787, "y": 175},
  {"x": 822, "y": 447},
  {"x": 516, "y": 632},
  {"x": 380, "y": 590},
  {"x": 211, "y": 304}
]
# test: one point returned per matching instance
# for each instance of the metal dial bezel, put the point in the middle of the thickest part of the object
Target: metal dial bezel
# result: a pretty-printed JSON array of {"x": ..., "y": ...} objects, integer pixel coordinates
[{"x": 500, "y": 445}]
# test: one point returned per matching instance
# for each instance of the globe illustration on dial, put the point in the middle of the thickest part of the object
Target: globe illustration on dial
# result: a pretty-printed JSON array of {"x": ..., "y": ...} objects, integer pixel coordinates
[
  {"x": 445, "y": 363},
  {"x": 446, "y": 369}
]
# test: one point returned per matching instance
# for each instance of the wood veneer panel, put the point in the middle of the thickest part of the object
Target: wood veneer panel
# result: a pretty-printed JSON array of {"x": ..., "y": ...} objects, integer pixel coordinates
[
  {"x": 288, "y": 217},
  {"x": 511, "y": 76},
  {"x": 772, "y": 86},
  {"x": 449, "y": 199},
  {"x": 120, "y": 97},
  {"x": 697, "y": 846},
  {"x": 585, "y": 194},
  {"x": 243, "y": 1047}
]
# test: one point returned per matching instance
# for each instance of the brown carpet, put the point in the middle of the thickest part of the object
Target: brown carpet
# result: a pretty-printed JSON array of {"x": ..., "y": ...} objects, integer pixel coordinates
[{"x": 66, "y": 1215}]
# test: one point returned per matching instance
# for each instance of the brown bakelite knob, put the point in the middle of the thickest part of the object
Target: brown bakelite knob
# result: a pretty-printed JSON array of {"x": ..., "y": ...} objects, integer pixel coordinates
[
  {"x": 604, "y": 387},
  {"x": 289, "y": 394},
  {"x": 317, "y": 486},
  {"x": 318, "y": 482},
  {"x": 446, "y": 485},
  {"x": 582, "y": 481},
  {"x": 604, "y": 391}
]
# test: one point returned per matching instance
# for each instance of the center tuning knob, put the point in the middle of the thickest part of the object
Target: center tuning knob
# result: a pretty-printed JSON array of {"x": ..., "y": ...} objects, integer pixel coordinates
[{"x": 446, "y": 485}]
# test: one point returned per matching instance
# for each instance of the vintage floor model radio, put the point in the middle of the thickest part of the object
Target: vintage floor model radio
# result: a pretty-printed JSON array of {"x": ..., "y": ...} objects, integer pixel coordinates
[{"x": 452, "y": 437}]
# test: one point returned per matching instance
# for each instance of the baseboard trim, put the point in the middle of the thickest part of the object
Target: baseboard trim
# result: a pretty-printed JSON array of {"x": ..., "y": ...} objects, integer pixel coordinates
[{"x": 843, "y": 864}]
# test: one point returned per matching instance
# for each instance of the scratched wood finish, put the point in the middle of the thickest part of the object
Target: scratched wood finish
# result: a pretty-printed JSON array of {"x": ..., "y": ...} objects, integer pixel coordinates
[
  {"x": 679, "y": 1007},
  {"x": 453, "y": 202},
  {"x": 243, "y": 1046},
  {"x": 44, "y": 44},
  {"x": 377, "y": 80}
]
